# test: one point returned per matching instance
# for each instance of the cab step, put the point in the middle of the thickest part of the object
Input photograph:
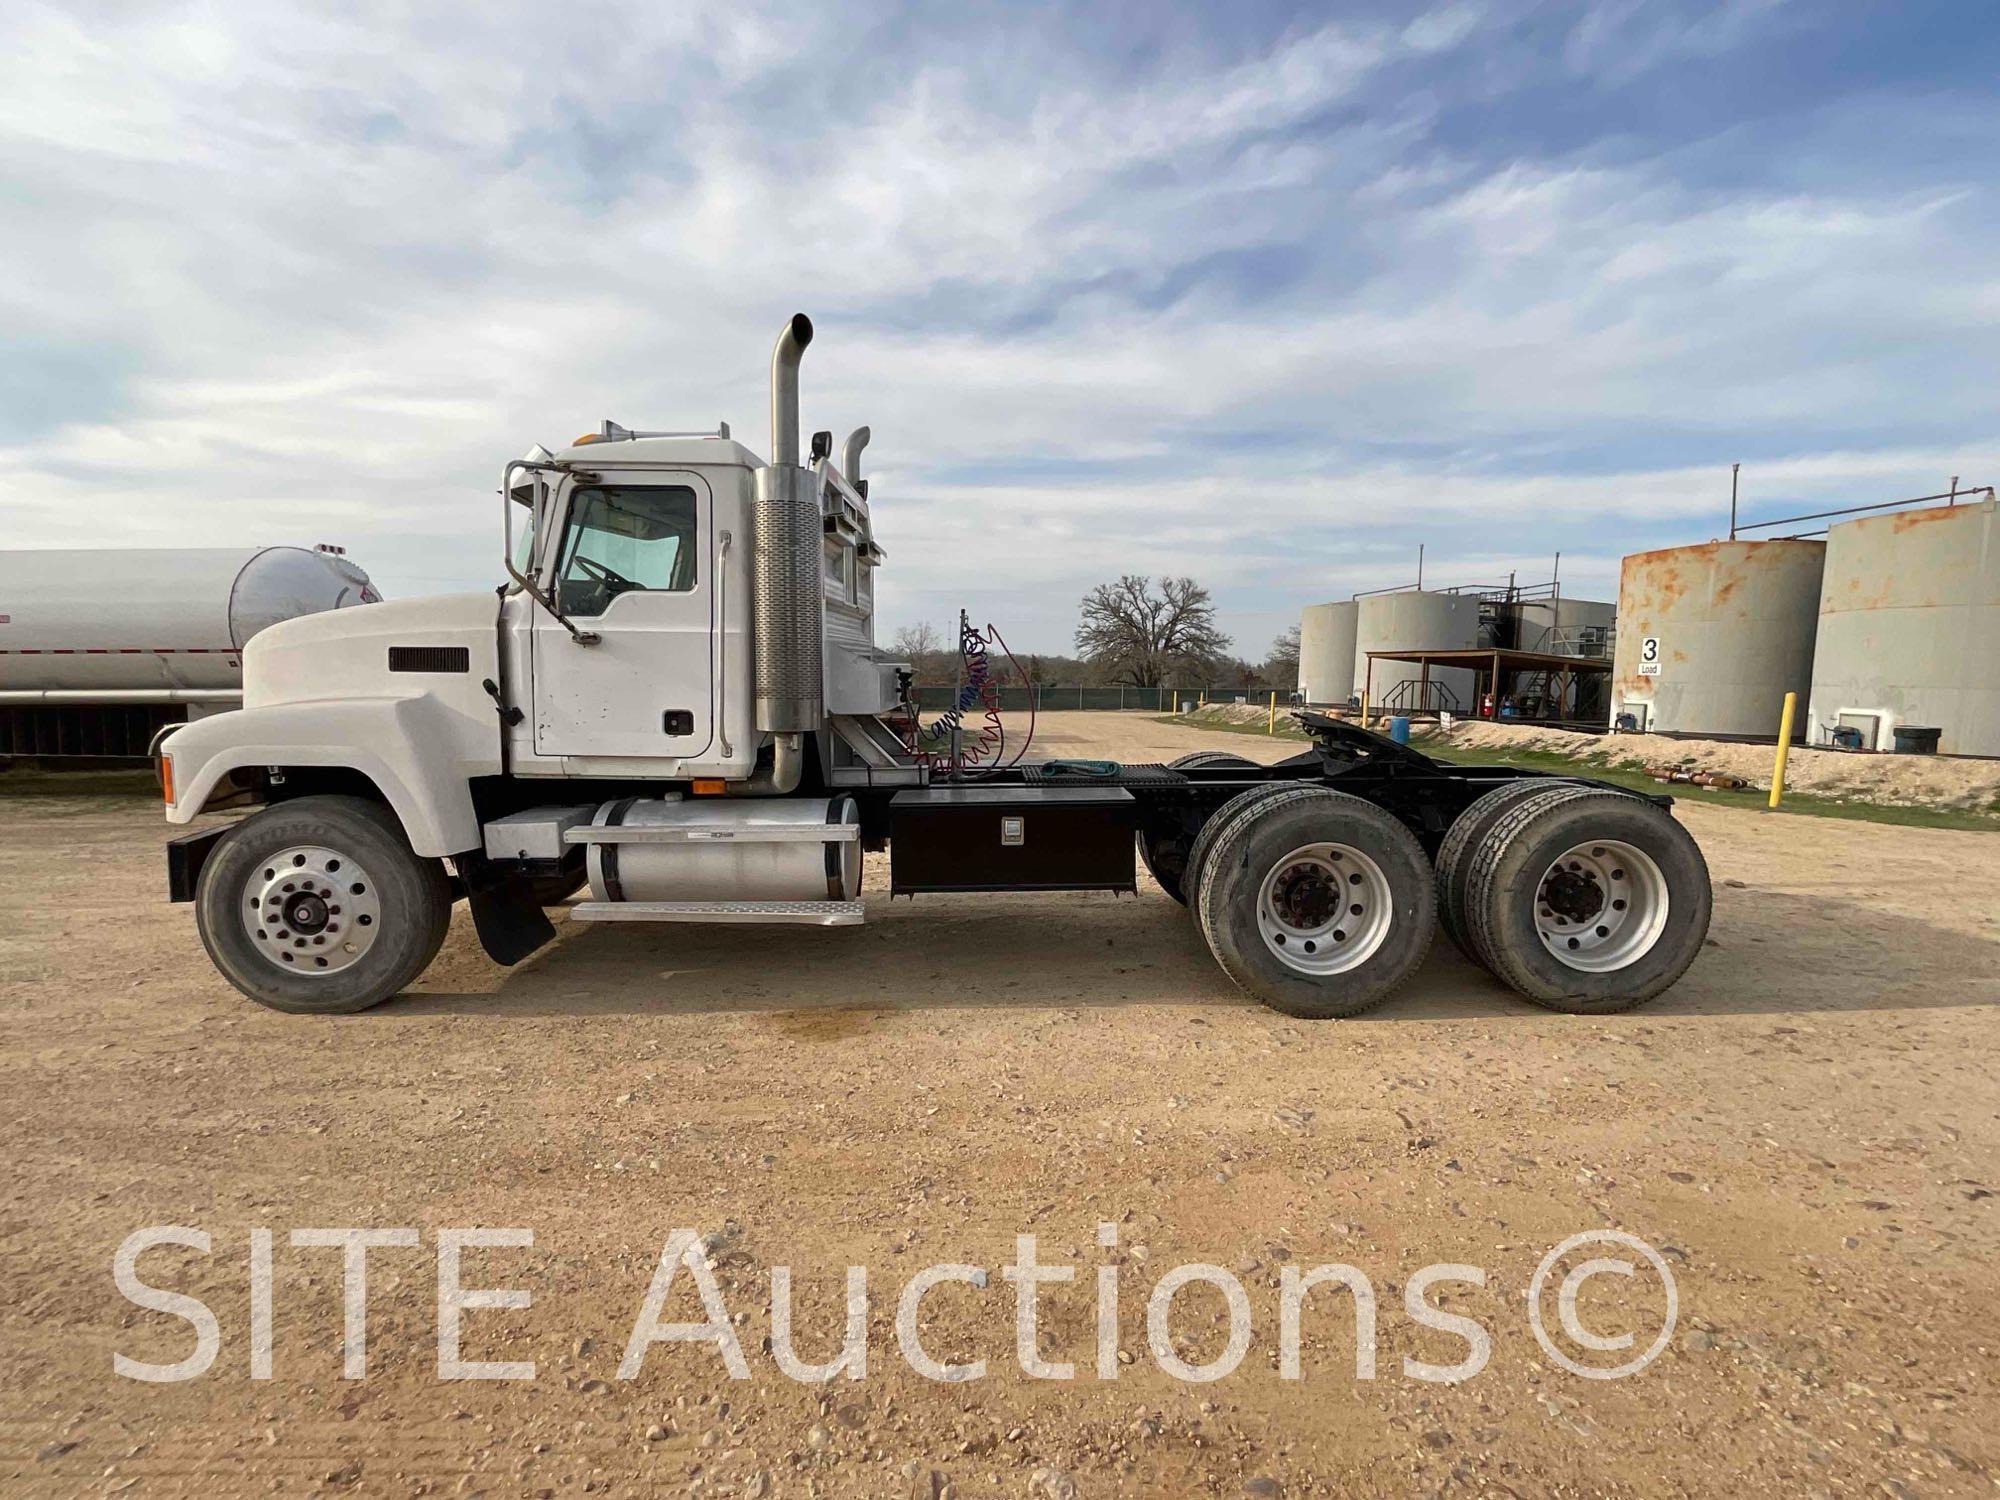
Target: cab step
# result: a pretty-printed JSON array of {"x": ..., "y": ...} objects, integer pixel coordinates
[{"x": 806, "y": 913}]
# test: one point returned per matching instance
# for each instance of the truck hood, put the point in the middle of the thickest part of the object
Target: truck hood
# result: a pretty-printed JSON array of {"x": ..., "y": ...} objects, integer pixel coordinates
[{"x": 346, "y": 653}]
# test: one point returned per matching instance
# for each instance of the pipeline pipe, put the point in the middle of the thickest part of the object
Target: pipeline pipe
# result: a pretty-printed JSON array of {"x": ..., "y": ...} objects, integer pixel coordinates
[{"x": 791, "y": 347}]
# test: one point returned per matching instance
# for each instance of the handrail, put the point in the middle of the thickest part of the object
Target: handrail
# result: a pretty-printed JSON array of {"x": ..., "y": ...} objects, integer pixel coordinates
[
  {"x": 722, "y": 643},
  {"x": 1950, "y": 497}
]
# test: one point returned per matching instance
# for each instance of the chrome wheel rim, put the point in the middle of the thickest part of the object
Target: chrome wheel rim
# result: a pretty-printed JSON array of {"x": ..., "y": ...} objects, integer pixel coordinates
[
  {"x": 1601, "y": 906},
  {"x": 310, "y": 910},
  {"x": 1324, "y": 909}
]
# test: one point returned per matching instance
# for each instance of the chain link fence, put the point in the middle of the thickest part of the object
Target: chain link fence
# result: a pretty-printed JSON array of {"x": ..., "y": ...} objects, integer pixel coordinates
[{"x": 1053, "y": 696}]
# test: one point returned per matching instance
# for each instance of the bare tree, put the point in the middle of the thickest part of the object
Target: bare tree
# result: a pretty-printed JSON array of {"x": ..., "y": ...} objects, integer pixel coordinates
[
  {"x": 1138, "y": 630},
  {"x": 1281, "y": 667},
  {"x": 916, "y": 640},
  {"x": 923, "y": 647}
]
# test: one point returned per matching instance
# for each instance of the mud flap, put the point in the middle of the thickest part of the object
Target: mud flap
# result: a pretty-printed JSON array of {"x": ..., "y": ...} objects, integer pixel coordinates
[
  {"x": 185, "y": 857},
  {"x": 509, "y": 920}
]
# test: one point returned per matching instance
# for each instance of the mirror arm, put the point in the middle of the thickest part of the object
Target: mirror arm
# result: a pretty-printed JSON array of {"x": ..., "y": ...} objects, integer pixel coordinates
[{"x": 528, "y": 587}]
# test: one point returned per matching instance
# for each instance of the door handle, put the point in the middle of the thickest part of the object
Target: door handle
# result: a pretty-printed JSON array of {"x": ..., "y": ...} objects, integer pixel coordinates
[{"x": 677, "y": 721}]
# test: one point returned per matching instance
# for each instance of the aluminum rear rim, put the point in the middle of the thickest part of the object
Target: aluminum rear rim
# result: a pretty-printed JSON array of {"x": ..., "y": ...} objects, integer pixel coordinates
[
  {"x": 1324, "y": 909},
  {"x": 1601, "y": 906},
  {"x": 310, "y": 910}
]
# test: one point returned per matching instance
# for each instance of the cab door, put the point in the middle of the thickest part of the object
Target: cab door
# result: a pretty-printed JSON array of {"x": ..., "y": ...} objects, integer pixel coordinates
[{"x": 634, "y": 566}]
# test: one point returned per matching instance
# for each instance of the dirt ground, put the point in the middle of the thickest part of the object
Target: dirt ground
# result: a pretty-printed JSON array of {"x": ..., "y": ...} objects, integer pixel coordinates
[{"x": 1807, "y": 1130}]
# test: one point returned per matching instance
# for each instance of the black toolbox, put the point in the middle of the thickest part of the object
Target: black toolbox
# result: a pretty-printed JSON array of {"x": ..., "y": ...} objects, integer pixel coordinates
[{"x": 1011, "y": 838}]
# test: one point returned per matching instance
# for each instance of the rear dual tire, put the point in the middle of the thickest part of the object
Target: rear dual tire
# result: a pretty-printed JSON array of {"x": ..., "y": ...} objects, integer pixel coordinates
[
  {"x": 1584, "y": 900},
  {"x": 1224, "y": 820},
  {"x": 1165, "y": 861},
  {"x": 1319, "y": 904},
  {"x": 1462, "y": 840}
]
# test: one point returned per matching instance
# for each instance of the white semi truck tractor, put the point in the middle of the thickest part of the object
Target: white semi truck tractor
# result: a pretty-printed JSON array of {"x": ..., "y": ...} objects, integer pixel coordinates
[{"x": 677, "y": 700}]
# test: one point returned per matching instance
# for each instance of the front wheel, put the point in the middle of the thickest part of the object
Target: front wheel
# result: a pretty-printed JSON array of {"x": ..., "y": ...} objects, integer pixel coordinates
[{"x": 319, "y": 905}]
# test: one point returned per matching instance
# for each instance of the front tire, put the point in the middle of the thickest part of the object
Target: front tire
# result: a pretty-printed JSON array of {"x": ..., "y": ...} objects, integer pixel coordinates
[
  {"x": 320, "y": 906},
  {"x": 1318, "y": 903}
]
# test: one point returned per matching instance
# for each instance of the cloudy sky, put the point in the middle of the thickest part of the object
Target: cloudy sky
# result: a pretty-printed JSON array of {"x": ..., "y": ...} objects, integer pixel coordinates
[{"x": 1266, "y": 293}]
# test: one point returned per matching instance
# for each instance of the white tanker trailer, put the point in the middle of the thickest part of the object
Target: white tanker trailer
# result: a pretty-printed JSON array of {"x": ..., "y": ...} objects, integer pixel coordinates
[{"x": 100, "y": 648}]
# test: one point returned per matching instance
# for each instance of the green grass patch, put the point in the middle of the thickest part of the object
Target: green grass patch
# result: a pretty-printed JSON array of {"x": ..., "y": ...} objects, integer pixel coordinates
[{"x": 1802, "y": 804}]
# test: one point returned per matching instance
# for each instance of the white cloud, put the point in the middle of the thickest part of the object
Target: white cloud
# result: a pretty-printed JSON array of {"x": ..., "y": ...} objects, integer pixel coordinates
[{"x": 1261, "y": 317}]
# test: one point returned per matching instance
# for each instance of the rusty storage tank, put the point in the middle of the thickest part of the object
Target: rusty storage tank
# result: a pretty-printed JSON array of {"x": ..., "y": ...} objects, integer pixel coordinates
[
  {"x": 1909, "y": 629},
  {"x": 1415, "y": 620},
  {"x": 1326, "y": 652},
  {"x": 1712, "y": 637}
]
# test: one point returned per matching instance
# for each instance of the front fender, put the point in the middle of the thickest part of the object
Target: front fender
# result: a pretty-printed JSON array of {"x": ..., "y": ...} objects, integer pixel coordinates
[{"x": 412, "y": 749}]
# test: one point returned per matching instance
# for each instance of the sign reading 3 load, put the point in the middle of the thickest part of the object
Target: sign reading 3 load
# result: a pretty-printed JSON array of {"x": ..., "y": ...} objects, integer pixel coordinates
[{"x": 1649, "y": 656}]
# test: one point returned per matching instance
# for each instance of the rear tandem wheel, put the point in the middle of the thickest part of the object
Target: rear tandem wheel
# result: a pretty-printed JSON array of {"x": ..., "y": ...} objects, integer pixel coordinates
[
  {"x": 1159, "y": 857},
  {"x": 1462, "y": 841},
  {"x": 1587, "y": 900},
  {"x": 1219, "y": 822},
  {"x": 1316, "y": 902}
]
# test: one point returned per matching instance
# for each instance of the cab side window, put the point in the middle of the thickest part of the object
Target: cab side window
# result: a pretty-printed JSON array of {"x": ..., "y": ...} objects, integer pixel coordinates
[{"x": 622, "y": 538}]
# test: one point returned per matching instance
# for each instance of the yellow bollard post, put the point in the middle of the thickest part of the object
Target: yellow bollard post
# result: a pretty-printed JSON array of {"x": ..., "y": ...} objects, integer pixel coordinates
[
  {"x": 1271, "y": 723},
  {"x": 1204, "y": 697},
  {"x": 1784, "y": 747}
]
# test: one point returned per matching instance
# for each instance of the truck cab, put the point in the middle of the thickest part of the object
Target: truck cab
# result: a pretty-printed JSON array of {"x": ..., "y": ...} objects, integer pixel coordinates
[
  {"x": 625, "y": 647},
  {"x": 637, "y": 656}
]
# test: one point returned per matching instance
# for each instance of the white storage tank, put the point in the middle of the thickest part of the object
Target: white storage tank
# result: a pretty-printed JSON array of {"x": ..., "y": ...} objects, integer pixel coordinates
[
  {"x": 1563, "y": 626},
  {"x": 1414, "y": 620},
  {"x": 1326, "y": 652},
  {"x": 99, "y": 647},
  {"x": 1909, "y": 629},
  {"x": 1711, "y": 637}
]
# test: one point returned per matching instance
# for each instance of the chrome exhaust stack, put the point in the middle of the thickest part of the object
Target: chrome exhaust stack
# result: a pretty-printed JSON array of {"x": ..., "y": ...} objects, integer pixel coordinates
[
  {"x": 850, "y": 456},
  {"x": 791, "y": 348},
  {"x": 785, "y": 574}
]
